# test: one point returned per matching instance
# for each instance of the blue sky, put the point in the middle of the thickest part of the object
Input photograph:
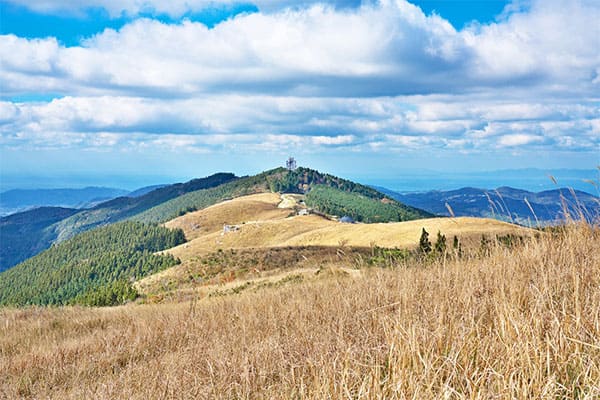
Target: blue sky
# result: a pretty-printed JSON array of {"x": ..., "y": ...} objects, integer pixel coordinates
[
  {"x": 71, "y": 27},
  {"x": 369, "y": 89}
]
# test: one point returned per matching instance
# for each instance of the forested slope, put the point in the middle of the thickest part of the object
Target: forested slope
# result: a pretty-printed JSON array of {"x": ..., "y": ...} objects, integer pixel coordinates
[
  {"x": 360, "y": 207},
  {"x": 94, "y": 267},
  {"x": 124, "y": 207}
]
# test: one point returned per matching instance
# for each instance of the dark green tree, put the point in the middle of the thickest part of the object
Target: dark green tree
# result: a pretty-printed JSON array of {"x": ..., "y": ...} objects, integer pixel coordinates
[
  {"x": 440, "y": 244},
  {"x": 424, "y": 243}
]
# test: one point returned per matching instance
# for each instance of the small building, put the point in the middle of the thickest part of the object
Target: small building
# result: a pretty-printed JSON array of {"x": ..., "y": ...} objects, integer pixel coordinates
[
  {"x": 346, "y": 220},
  {"x": 230, "y": 228}
]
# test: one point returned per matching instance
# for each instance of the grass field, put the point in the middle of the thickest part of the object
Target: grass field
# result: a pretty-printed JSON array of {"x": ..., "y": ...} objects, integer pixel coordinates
[
  {"x": 518, "y": 322},
  {"x": 266, "y": 224},
  {"x": 262, "y": 223}
]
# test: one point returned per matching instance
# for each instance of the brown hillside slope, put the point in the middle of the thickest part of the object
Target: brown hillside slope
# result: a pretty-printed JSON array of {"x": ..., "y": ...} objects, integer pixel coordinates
[
  {"x": 256, "y": 207},
  {"x": 260, "y": 223}
]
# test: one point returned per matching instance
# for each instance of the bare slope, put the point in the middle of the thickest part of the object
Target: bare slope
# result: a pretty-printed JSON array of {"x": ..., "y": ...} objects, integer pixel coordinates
[
  {"x": 257, "y": 221},
  {"x": 267, "y": 221}
]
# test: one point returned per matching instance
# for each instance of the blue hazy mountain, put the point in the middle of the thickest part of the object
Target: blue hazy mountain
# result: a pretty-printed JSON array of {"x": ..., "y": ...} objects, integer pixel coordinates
[
  {"x": 505, "y": 203},
  {"x": 532, "y": 179},
  {"x": 145, "y": 190},
  {"x": 17, "y": 200}
]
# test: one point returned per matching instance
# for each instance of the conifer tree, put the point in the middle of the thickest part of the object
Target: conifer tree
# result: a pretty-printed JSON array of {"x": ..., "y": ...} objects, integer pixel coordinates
[
  {"x": 424, "y": 243},
  {"x": 440, "y": 244}
]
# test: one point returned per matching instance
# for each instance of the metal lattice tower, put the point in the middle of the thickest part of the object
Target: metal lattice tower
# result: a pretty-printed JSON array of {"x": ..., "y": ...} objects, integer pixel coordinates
[{"x": 290, "y": 164}]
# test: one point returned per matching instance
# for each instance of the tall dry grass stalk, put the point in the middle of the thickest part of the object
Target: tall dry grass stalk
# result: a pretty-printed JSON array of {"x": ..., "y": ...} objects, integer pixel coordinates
[{"x": 519, "y": 323}]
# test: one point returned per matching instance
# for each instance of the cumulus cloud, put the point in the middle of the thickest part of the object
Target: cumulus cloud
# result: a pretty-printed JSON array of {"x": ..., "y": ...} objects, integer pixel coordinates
[
  {"x": 518, "y": 139},
  {"x": 388, "y": 48},
  {"x": 280, "y": 123},
  {"x": 374, "y": 76},
  {"x": 333, "y": 140}
]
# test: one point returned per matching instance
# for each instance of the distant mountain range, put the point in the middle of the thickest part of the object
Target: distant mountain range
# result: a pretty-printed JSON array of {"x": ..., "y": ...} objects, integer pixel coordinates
[
  {"x": 505, "y": 203},
  {"x": 18, "y": 200}
]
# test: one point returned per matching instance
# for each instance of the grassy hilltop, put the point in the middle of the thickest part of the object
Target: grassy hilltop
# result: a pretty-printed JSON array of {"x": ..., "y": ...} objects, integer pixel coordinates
[{"x": 84, "y": 261}]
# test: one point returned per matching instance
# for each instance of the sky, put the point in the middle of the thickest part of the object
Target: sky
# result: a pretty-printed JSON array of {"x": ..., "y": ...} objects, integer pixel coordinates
[{"x": 139, "y": 92}]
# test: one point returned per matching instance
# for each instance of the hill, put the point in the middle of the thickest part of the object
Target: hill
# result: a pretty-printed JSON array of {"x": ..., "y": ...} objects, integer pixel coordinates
[
  {"x": 27, "y": 233},
  {"x": 18, "y": 200},
  {"x": 326, "y": 192},
  {"x": 69, "y": 270},
  {"x": 94, "y": 268},
  {"x": 269, "y": 222},
  {"x": 509, "y": 204}
]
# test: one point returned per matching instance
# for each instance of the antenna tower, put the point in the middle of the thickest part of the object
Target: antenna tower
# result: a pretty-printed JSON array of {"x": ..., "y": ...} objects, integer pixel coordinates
[{"x": 290, "y": 164}]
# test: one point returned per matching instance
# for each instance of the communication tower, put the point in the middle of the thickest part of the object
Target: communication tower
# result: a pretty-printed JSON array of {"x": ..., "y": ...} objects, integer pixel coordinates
[{"x": 290, "y": 164}]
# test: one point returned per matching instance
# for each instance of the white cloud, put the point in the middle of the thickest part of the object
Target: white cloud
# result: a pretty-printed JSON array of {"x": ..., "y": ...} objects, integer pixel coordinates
[
  {"x": 379, "y": 77},
  {"x": 315, "y": 50},
  {"x": 555, "y": 42},
  {"x": 389, "y": 48},
  {"x": 518, "y": 139},
  {"x": 332, "y": 140},
  {"x": 275, "y": 122}
]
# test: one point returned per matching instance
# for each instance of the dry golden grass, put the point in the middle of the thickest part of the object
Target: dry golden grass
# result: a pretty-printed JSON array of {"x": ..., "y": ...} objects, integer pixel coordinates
[
  {"x": 264, "y": 224},
  {"x": 518, "y": 323},
  {"x": 314, "y": 231},
  {"x": 206, "y": 274},
  {"x": 255, "y": 207}
]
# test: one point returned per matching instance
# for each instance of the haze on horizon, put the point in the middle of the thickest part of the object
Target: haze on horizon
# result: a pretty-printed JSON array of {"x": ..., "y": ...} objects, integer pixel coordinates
[{"x": 360, "y": 89}]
